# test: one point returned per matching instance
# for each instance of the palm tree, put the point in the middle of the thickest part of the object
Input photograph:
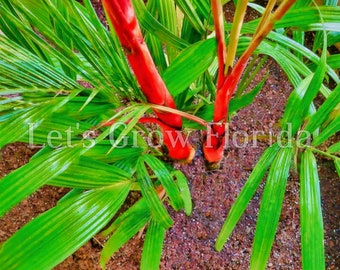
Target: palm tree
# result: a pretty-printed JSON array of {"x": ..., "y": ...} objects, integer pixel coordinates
[{"x": 64, "y": 75}]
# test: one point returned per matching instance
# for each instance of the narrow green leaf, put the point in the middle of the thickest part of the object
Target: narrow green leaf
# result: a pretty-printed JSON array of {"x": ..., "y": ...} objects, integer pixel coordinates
[
  {"x": 152, "y": 249},
  {"x": 88, "y": 173},
  {"x": 38, "y": 7},
  {"x": 170, "y": 20},
  {"x": 183, "y": 186},
  {"x": 60, "y": 231},
  {"x": 56, "y": 130},
  {"x": 270, "y": 208},
  {"x": 205, "y": 112},
  {"x": 66, "y": 56},
  {"x": 333, "y": 38},
  {"x": 246, "y": 194},
  {"x": 100, "y": 151},
  {"x": 254, "y": 66},
  {"x": 199, "y": 57},
  {"x": 302, "y": 3},
  {"x": 22, "y": 182},
  {"x": 203, "y": 8},
  {"x": 191, "y": 14},
  {"x": 299, "y": 37},
  {"x": 12, "y": 32},
  {"x": 281, "y": 50},
  {"x": 64, "y": 10},
  {"x": 308, "y": 18},
  {"x": 97, "y": 46},
  {"x": 334, "y": 148},
  {"x": 156, "y": 49},
  {"x": 124, "y": 228},
  {"x": 138, "y": 210},
  {"x": 20, "y": 124},
  {"x": 71, "y": 194},
  {"x": 312, "y": 236},
  {"x": 246, "y": 99},
  {"x": 149, "y": 23},
  {"x": 165, "y": 178},
  {"x": 290, "y": 64},
  {"x": 82, "y": 108},
  {"x": 27, "y": 70},
  {"x": 337, "y": 165},
  {"x": 133, "y": 114},
  {"x": 166, "y": 11},
  {"x": 324, "y": 110},
  {"x": 331, "y": 129},
  {"x": 157, "y": 209},
  {"x": 299, "y": 103},
  {"x": 332, "y": 60},
  {"x": 188, "y": 31}
]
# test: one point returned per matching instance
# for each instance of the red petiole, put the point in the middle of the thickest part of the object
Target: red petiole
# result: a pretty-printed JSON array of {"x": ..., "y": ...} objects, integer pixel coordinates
[{"x": 214, "y": 142}]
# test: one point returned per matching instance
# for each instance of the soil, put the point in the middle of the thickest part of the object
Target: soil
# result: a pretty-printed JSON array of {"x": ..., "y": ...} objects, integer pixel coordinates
[{"x": 189, "y": 244}]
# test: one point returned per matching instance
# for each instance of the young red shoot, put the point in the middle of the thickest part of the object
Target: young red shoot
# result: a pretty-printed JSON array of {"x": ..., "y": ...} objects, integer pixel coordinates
[
  {"x": 214, "y": 142},
  {"x": 216, "y": 7}
]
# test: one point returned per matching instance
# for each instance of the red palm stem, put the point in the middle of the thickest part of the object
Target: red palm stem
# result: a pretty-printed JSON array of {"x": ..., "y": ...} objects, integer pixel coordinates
[
  {"x": 214, "y": 142},
  {"x": 124, "y": 20}
]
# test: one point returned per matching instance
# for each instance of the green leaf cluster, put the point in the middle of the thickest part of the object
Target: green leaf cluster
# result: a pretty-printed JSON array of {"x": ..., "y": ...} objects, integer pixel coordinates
[{"x": 305, "y": 127}]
